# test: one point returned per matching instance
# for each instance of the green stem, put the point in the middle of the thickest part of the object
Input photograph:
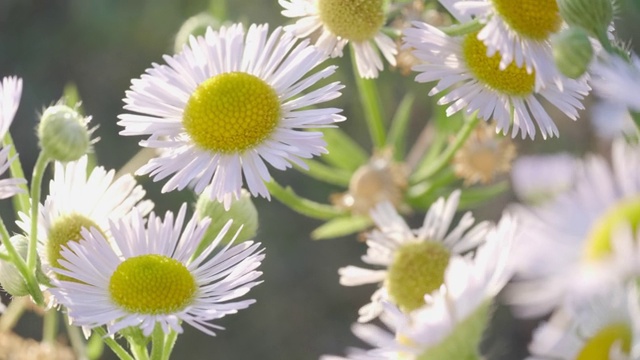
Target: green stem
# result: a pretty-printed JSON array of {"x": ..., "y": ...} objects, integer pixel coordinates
[
  {"x": 370, "y": 99},
  {"x": 76, "y": 339},
  {"x": 113, "y": 345},
  {"x": 464, "y": 28},
  {"x": 5, "y": 257},
  {"x": 218, "y": 8},
  {"x": 12, "y": 313},
  {"x": 20, "y": 200},
  {"x": 444, "y": 158},
  {"x": 21, "y": 265},
  {"x": 169, "y": 342},
  {"x": 303, "y": 206},
  {"x": 636, "y": 118},
  {"x": 50, "y": 326},
  {"x": 158, "y": 339},
  {"x": 36, "y": 185},
  {"x": 139, "y": 351}
]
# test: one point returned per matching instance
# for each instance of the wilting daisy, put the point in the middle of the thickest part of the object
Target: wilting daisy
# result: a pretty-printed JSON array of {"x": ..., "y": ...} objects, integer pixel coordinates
[
  {"x": 76, "y": 201},
  {"x": 358, "y": 22},
  {"x": 226, "y": 105},
  {"x": 519, "y": 31},
  {"x": 414, "y": 260},
  {"x": 149, "y": 275},
  {"x": 10, "y": 93},
  {"x": 565, "y": 241},
  {"x": 607, "y": 326},
  {"x": 451, "y": 322},
  {"x": 509, "y": 96}
]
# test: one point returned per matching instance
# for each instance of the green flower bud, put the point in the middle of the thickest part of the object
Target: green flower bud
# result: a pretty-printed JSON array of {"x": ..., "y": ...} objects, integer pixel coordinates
[
  {"x": 196, "y": 25},
  {"x": 572, "y": 52},
  {"x": 242, "y": 212},
  {"x": 63, "y": 133},
  {"x": 10, "y": 278},
  {"x": 595, "y": 16}
]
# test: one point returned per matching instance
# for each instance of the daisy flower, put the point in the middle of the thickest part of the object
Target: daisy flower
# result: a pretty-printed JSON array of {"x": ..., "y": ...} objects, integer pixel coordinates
[
  {"x": 149, "y": 276},
  {"x": 611, "y": 120},
  {"x": 565, "y": 241},
  {"x": 607, "y": 326},
  {"x": 358, "y": 22},
  {"x": 228, "y": 104},
  {"x": 509, "y": 96},
  {"x": 617, "y": 81},
  {"x": 10, "y": 93},
  {"x": 77, "y": 201},
  {"x": 534, "y": 186},
  {"x": 519, "y": 31},
  {"x": 414, "y": 261},
  {"x": 456, "y": 313}
]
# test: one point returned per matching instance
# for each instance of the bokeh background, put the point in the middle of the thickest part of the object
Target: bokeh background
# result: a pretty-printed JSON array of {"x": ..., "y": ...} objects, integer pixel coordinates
[{"x": 301, "y": 310}]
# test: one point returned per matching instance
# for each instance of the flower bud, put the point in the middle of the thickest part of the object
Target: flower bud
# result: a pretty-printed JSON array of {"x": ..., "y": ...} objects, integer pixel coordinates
[
  {"x": 10, "y": 278},
  {"x": 196, "y": 25},
  {"x": 242, "y": 212},
  {"x": 63, "y": 133},
  {"x": 572, "y": 52},
  {"x": 595, "y": 16}
]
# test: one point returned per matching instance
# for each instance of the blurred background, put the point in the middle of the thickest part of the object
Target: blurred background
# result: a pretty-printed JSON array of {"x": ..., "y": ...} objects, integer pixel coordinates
[{"x": 301, "y": 311}]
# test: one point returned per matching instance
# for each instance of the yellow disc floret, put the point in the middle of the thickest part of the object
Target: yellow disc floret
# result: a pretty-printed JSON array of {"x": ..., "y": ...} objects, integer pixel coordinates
[
  {"x": 599, "y": 346},
  {"x": 355, "y": 20},
  {"x": 513, "y": 80},
  {"x": 152, "y": 284},
  {"x": 598, "y": 243},
  {"x": 231, "y": 112},
  {"x": 64, "y": 229},
  {"x": 535, "y": 19},
  {"x": 417, "y": 269}
]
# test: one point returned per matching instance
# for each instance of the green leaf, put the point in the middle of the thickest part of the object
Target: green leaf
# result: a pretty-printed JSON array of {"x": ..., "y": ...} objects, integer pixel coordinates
[
  {"x": 341, "y": 226},
  {"x": 344, "y": 152},
  {"x": 399, "y": 124}
]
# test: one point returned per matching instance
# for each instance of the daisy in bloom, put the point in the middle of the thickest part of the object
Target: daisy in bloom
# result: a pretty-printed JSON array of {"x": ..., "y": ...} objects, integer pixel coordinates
[
  {"x": 358, "y": 22},
  {"x": 607, "y": 326},
  {"x": 76, "y": 201},
  {"x": 533, "y": 186},
  {"x": 519, "y": 31},
  {"x": 457, "y": 313},
  {"x": 228, "y": 104},
  {"x": 10, "y": 93},
  {"x": 477, "y": 83},
  {"x": 566, "y": 241},
  {"x": 617, "y": 81},
  {"x": 149, "y": 275},
  {"x": 414, "y": 260}
]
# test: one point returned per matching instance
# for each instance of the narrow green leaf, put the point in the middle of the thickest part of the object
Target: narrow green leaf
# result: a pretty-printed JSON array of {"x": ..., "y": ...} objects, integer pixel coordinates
[
  {"x": 344, "y": 152},
  {"x": 304, "y": 206},
  {"x": 399, "y": 125},
  {"x": 341, "y": 226}
]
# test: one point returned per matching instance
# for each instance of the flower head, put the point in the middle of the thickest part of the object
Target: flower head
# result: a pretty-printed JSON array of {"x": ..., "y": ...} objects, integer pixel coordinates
[
  {"x": 415, "y": 260},
  {"x": 509, "y": 95},
  {"x": 10, "y": 93},
  {"x": 357, "y": 22},
  {"x": 149, "y": 275},
  {"x": 226, "y": 105}
]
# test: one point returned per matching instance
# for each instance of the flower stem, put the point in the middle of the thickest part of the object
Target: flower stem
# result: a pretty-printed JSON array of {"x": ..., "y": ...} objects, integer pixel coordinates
[
  {"x": 36, "y": 185},
  {"x": 75, "y": 338},
  {"x": 464, "y": 28},
  {"x": 20, "y": 200},
  {"x": 50, "y": 326},
  {"x": 158, "y": 340},
  {"x": 169, "y": 342},
  {"x": 113, "y": 345},
  {"x": 12, "y": 313},
  {"x": 301, "y": 205},
  {"x": 370, "y": 99}
]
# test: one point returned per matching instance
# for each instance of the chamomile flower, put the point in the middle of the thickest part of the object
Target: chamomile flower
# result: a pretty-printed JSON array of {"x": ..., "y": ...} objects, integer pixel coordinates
[
  {"x": 509, "y": 95},
  {"x": 414, "y": 261},
  {"x": 519, "y": 32},
  {"x": 10, "y": 93},
  {"x": 227, "y": 105},
  {"x": 451, "y": 322},
  {"x": 606, "y": 326},
  {"x": 76, "y": 201},
  {"x": 565, "y": 241},
  {"x": 358, "y": 22},
  {"x": 150, "y": 276}
]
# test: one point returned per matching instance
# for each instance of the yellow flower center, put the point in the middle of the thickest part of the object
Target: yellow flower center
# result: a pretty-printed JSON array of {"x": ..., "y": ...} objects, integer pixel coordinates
[
  {"x": 231, "y": 112},
  {"x": 598, "y": 243},
  {"x": 152, "y": 284},
  {"x": 535, "y": 19},
  {"x": 598, "y": 347},
  {"x": 355, "y": 20},
  {"x": 417, "y": 269},
  {"x": 64, "y": 229},
  {"x": 513, "y": 80}
]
